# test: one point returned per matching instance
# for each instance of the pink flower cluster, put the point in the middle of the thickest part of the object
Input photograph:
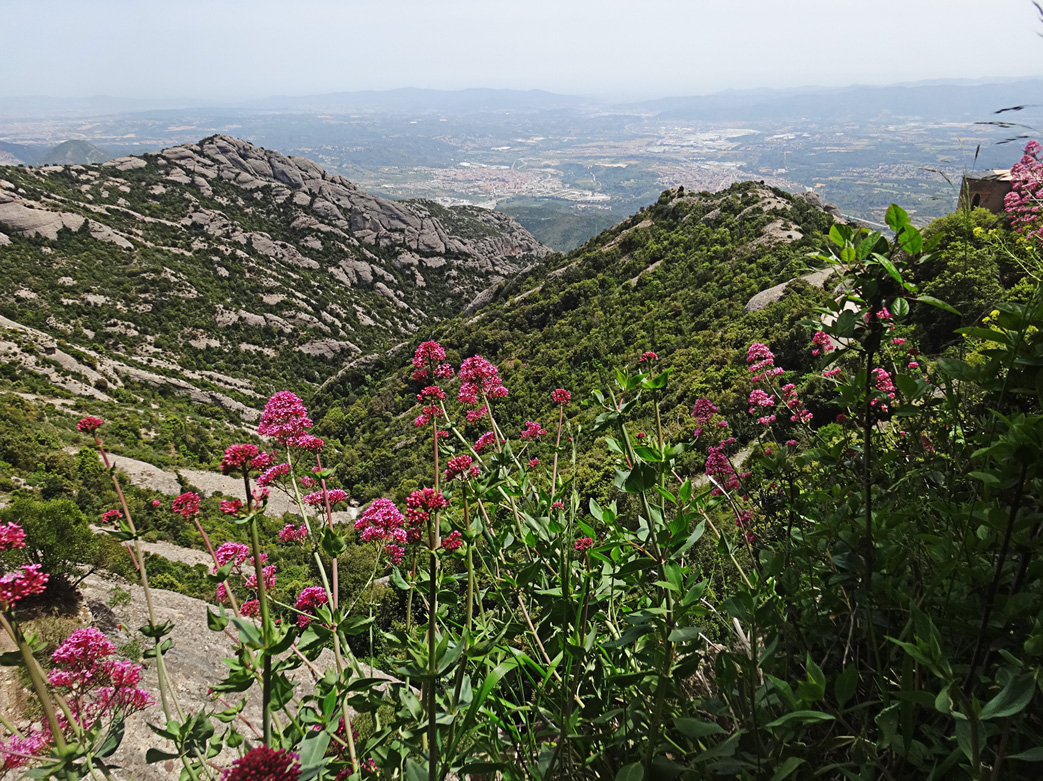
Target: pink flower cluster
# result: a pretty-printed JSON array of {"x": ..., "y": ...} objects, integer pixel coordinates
[
  {"x": 238, "y": 554},
  {"x": 647, "y": 357},
  {"x": 291, "y": 533},
  {"x": 453, "y": 541},
  {"x": 96, "y": 686},
  {"x": 719, "y": 466},
  {"x": 186, "y": 505},
  {"x": 318, "y": 498},
  {"x": 583, "y": 544},
  {"x": 429, "y": 360},
  {"x": 479, "y": 380},
  {"x": 821, "y": 343},
  {"x": 796, "y": 406},
  {"x": 21, "y": 583},
  {"x": 884, "y": 386},
  {"x": 419, "y": 506},
  {"x": 760, "y": 398},
  {"x": 262, "y": 763},
  {"x": 1025, "y": 200},
  {"x": 310, "y": 598},
  {"x": 761, "y": 361},
  {"x": 285, "y": 417},
  {"x": 462, "y": 468},
  {"x": 231, "y": 506},
  {"x": 429, "y": 398},
  {"x": 11, "y": 536},
  {"x": 239, "y": 457},
  {"x": 382, "y": 522},
  {"x": 703, "y": 411},
  {"x": 89, "y": 424},
  {"x": 533, "y": 431},
  {"x": 111, "y": 516},
  {"x": 561, "y": 396},
  {"x": 273, "y": 473},
  {"x": 486, "y": 439}
]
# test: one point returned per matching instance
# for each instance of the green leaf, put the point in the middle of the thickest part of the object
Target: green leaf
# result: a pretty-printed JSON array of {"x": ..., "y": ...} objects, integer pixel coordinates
[
  {"x": 641, "y": 478},
  {"x": 896, "y": 217},
  {"x": 1032, "y": 755},
  {"x": 801, "y": 717},
  {"x": 415, "y": 772},
  {"x": 312, "y": 749},
  {"x": 937, "y": 302},
  {"x": 1013, "y": 699},
  {"x": 911, "y": 240},
  {"x": 846, "y": 684},
  {"x": 112, "y": 740},
  {"x": 785, "y": 770},
  {"x": 899, "y": 308},
  {"x": 154, "y": 755},
  {"x": 651, "y": 455},
  {"x": 632, "y": 772},
  {"x": 215, "y": 622},
  {"x": 695, "y": 729}
]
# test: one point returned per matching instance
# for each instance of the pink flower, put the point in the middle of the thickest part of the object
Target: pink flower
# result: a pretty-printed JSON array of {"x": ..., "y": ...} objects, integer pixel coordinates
[
  {"x": 834, "y": 372},
  {"x": 250, "y": 607},
  {"x": 703, "y": 410},
  {"x": 478, "y": 377},
  {"x": 156, "y": 503},
  {"x": 759, "y": 398},
  {"x": 719, "y": 466},
  {"x": 284, "y": 417},
  {"x": 238, "y": 457},
  {"x": 559, "y": 505},
  {"x": 89, "y": 424},
  {"x": 484, "y": 441},
  {"x": 273, "y": 473},
  {"x": 419, "y": 506},
  {"x": 561, "y": 396},
  {"x": 309, "y": 599},
  {"x": 291, "y": 533},
  {"x": 648, "y": 357},
  {"x": 260, "y": 496},
  {"x": 111, "y": 516},
  {"x": 583, "y": 544},
  {"x": 395, "y": 553},
  {"x": 307, "y": 442},
  {"x": 235, "y": 552},
  {"x": 453, "y": 541},
  {"x": 791, "y": 443},
  {"x": 231, "y": 506},
  {"x": 534, "y": 462},
  {"x": 898, "y": 341},
  {"x": 461, "y": 467},
  {"x": 474, "y": 415},
  {"x": 11, "y": 536},
  {"x": 186, "y": 505},
  {"x": 427, "y": 353},
  {"x": 264, "y": 764},
  {"x": 822, "y": 343},
  {"x": 761, "y": 361},
  {"x": 16, "y": 751},
  {"x": 532, "y": 430},
  {"x": 262, "y": 461},
  {"x": 268, "y": 573},
  {"x": 318, "y": 499},
  {"x": 382, "y": 521},
  {"x": 21, "y": 583},
  {"x": 640, "y": 435}
]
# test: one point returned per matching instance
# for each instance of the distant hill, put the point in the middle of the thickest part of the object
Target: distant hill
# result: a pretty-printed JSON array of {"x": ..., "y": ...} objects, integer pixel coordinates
[
  {"x": 221, "y": 270},
  {"x": 75, "y": 153}
]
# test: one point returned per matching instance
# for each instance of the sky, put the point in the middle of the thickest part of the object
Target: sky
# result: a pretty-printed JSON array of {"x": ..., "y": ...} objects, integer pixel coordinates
[{"x": 229, "y": 50}]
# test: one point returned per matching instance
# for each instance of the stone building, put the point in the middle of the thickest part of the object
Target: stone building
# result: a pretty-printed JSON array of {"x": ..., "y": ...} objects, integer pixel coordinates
[{"x": 985, "y": 189}]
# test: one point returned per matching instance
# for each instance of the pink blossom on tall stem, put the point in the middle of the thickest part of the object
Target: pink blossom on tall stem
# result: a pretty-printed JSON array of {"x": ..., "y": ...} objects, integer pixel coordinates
[
  {"x": 308, "y": 442},
  {"x": 429, "y": 362},
  {"x": 761, "y": 362},
  {"x": 647, "y": 357},
  {"x": 533, "y": 430},
  {"x": 111, "y": 516},
  {"x": 186, "y": 505},
  {"x": 269, "y": 575},
  {"x": 1025, "y": 200},
  {"x": 273, "y": 473},
  {"x": 821, "y": 343},
  {"x": 484, "y": 441},
  {"x": 291, "y": 533},
  {"x": 462, "y": 468},
  {"x": 319, "y": 498},
  {"x": 284, "y": 417},
  {"x": 583, "y": 544},
  {"x": 453, "y": 541},
  {"x": 309, "y": 599},
  {"x": 561, "y": 396},
  {"x": 419, "y": 505},
  {"x": 703, "y": 411},
  {"x": 718, "y": 465},
  {"x": 262, "y": 763},
  {"x": 231, "y": 506},
  {"x": 23, "y": 582},
  {"x": 11, "y": 536},
  {"x": 89, "y": 424},
  {"x": 479, "y": 378},
  {"x": 238, "y": 458},
  {"x": 382, "y": 521}
]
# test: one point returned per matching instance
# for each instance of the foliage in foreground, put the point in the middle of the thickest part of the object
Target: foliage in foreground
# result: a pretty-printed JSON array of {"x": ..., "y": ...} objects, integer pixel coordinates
[{"x": 857, "y": 598}]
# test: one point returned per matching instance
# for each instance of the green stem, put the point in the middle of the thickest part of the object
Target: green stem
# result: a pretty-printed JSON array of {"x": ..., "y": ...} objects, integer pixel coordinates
[{"x": 266, "y": 634}]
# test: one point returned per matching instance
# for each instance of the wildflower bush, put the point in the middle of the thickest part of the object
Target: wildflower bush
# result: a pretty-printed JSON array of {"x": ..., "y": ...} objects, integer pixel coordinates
[{"x": 840, "y": 578}]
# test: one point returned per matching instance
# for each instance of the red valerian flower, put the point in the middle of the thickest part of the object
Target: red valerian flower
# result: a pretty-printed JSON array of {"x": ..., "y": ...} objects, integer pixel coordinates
[
  {"x": 273, "y": 473},
  {"x": 703, "y": 410},
  {"x": 318, "y": 499},
  {"x": 285, "y": 417},
  {"x": 583, "y": 544},
  {"x": 478, "y": 377},
  {"x": 21, "y": 583},
  {"x": 238, "y": 457},
  {"x": 89, "y": 424},
  {"x": 561, "y": 396},
  {"x": 647, "y": 357},
  {"x": 462, "y": 467},
  {"x": 484, "y": 441},
  {"x": 291, "y": 533},
  {"x": 186, "y": 505},
  {"x": 11, "y": 536},
  {"x": 307, "y": 442},
  {"x": 262, "y": 763},
  {"x": 419, "y": 506},
  {"x": 453, "y": 541},
  {"x": 309, "y": 599},
  {"x": 532, "y": 430},
  {"x": 382, "y": 521},
  {"x": 231, "y": 506},
  {"x": 111, "y": 516}
]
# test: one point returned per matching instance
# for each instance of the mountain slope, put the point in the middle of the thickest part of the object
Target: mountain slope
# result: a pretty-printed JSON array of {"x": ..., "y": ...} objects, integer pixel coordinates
[
  {"x": 233, "y": 268},
  {"x": 676, "y": 279},
  {"x": 74, "y": 153}
]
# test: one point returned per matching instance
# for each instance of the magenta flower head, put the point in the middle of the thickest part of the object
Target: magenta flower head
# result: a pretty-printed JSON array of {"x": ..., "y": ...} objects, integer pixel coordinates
[
  {"x": 532, "y": 430},
  {"x": 429, "y": 363},
  {"x": 231, "y": 506},
  {"x": 703, "y": 410},
  {"x": 461, "y": 467},
  {"x": 111, "y": 516},
  {"x": 583, "y": 544},
  {"x": 647, "y": 357},
  {"x": 11, "y": 536},
  {"x": 22, "y": 583},
  {"x": 238, "y": 457},
  {"x": 478, "y": 377},
  {"x": 186, "y": 505},
  {"x": 486, "y": 439},
  {"x": 453, "y": 541},
  {"x": 284, "y": 417},
  {"x": 309, "y": 599},
  {"x": 561, "y": 396},
  {"x": 89, "y": 424},
  {"x": 264, "y": 764}
]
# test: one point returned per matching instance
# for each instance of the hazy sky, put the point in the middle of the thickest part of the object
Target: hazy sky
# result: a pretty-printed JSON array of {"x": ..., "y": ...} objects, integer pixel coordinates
[{"x": 233, "y": 49}]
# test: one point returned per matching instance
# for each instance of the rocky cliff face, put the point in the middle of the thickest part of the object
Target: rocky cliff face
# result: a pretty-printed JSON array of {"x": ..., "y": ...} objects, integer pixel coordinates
[{"x": 225, "y": 257}]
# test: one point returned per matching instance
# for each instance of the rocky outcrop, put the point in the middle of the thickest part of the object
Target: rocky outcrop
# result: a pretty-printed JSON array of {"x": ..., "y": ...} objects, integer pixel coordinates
[{"x": 773, "y": 294}]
